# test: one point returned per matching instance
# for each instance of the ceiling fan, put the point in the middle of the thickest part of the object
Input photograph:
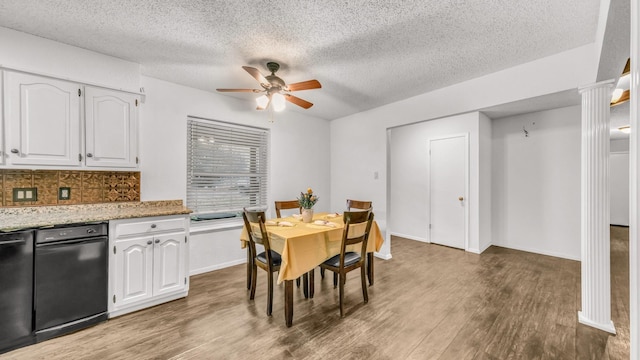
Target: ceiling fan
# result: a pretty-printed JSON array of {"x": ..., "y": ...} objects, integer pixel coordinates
[{"x": 275, "y": 90}]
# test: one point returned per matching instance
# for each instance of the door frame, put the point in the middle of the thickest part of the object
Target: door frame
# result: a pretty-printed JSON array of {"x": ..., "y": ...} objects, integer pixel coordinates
[{"x": 466, "y": 183}]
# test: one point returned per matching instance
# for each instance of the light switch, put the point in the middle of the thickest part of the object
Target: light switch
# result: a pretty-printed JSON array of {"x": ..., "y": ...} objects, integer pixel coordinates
[{"x": 64, "y": 193}]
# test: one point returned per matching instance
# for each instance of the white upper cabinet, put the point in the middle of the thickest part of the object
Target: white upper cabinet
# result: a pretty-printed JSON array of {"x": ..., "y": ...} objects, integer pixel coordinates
[
  {"x": 57, "y": 123},
  {"x": 111, "y": 128},
  {"x": 42, "y": 119}
]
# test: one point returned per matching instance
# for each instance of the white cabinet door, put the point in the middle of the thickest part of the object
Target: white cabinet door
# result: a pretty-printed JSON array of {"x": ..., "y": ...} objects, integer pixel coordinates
[
  {"x": 133, "y": 270},
  {"x": 43, "y": 120},
  {"x": 111, "y": 120},
  {"x": 169, "y": 263}
]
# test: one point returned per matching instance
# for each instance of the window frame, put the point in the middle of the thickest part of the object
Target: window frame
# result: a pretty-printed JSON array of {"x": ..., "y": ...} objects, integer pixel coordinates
[{"x": 237, "y": 164}]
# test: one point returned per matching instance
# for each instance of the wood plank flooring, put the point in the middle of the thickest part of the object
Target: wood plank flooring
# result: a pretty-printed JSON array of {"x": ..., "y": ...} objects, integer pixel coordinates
[{"x": 428, "y": 302}]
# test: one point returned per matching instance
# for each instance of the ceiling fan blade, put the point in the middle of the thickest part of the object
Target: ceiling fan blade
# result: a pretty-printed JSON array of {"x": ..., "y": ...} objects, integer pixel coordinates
[
  {"x": 239, "y": 90},
  {"x": 304, "y": 85},
  {"x": 258, "y": 76},
  {"x": 296, "y": 100}
]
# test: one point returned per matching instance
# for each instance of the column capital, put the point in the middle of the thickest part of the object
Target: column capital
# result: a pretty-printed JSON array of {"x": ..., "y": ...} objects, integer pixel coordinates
[{"x": 606, "y": 83}]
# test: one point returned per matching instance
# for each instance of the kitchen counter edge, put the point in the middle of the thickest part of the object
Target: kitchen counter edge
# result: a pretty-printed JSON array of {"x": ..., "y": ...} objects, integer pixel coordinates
[{"x": 20, "y": 218}]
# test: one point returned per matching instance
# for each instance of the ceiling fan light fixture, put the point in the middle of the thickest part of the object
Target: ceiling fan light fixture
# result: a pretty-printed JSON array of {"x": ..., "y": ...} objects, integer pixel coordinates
[
  {"x": 278, "y": 101},
  {"x": 262, "y": 102}
]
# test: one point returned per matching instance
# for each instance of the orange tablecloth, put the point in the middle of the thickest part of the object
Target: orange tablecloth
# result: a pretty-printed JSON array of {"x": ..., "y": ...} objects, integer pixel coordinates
[{"x": 306, "y": 245}]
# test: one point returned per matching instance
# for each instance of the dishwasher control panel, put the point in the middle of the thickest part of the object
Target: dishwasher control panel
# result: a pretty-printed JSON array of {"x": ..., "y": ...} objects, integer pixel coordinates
[{"x": 70, "y": 232}]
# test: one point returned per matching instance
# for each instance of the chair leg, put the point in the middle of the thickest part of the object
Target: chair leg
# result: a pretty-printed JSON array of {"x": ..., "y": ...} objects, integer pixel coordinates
[
  {"x": 312, "y": 276},
  {"x": 270, "y": 293},
  {"x": 254, "y": 280},
  {"x": 249, "y": 266},
  {"x": 365, "y": 294},
  {"x": 322, "y": 273},
  {"x": 342, "y": 278},
  {"x": 370, "y": 268},
  {"x": 298, "y": 282},
  {"x": 305, "y": 285},
  {"x": 335, "y": 280}
]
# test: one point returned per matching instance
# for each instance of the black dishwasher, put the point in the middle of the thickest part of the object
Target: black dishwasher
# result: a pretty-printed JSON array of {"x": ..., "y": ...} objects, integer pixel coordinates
[
  {"x": 16, "y": 289},
  {"x": 70, "y": 278}
]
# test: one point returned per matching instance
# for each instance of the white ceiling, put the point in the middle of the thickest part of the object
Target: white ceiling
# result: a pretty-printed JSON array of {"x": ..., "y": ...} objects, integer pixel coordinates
[{"x": 365, "y": 53}]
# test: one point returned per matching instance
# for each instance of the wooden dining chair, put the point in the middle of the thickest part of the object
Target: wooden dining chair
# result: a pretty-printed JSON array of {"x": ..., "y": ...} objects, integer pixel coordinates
[
  {"x": 347, "y": 261},
  {"x": 286, "y": 205},
  {"x": 358, "y": 204},
  {"x": 268, "y": 260}
]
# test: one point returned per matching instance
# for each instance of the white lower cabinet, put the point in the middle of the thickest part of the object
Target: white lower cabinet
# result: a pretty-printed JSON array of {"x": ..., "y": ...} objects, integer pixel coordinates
[{"x": 148, "y": 262}]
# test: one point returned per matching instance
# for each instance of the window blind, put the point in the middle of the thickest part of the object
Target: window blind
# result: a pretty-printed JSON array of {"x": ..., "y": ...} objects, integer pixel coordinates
[{"x": 226, "y": 168}]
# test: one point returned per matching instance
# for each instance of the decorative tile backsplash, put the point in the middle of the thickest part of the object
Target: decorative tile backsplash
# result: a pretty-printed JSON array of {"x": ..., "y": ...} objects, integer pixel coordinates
[{"x": 81, "y": 186}]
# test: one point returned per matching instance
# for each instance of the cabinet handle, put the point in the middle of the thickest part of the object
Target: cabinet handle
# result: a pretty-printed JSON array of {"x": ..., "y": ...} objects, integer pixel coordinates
[
  {"x": 153, "y": 226},
  {"x": 15, "y": 151},
  {"x": 149, "y": 242},
  {"x": 157, "y": 241},
  {"x": 89, "y": 155}
]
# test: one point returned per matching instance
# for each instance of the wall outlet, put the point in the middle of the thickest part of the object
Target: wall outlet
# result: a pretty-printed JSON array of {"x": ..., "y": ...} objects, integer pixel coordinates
[
  {"x": 25, "y": 194},
  {"x": 64, "y": 193}
]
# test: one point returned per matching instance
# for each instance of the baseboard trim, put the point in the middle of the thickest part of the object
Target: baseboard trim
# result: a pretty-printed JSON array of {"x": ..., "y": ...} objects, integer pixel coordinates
[
  {"x": 216, "y": 267},
  {"x": 382, "y": 256},
  {"x": 604, "y": 327},
  {"x": 410, "y": 237},
  {"x": 483, "y": 249},
  {"x": 537, "y": 251},
  {"x": 473, "y": 251}
]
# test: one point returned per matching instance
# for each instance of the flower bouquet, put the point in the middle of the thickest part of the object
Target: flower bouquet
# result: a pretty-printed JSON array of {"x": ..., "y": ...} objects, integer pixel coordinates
[{"x": 306, "y": 201}]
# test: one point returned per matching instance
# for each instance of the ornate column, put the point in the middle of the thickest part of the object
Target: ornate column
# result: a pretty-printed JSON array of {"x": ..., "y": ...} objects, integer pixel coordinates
[{"x": 596, "y": 266}]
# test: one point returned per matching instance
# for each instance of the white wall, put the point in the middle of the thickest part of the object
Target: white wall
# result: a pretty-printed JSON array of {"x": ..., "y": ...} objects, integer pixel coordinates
[
  {"x": 46, "y": 57},
  {"x": 366, "y": 132},
  {"x": 536, "y": 182},
  {"x": 297, "y": 145},
  {"x": 298, "y": 142},
  {"x": 409, "y": 177},
  {"x": 619, "y": 182}
]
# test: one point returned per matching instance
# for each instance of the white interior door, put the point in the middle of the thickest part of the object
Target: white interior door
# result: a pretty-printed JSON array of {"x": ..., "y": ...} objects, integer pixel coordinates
[{"x": 448, "y": 159}]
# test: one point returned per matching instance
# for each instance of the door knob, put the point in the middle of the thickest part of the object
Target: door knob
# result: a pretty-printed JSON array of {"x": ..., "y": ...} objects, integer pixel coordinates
[
  {"x": 149, "y": 242},
  {"x": 460, "y": 198}
]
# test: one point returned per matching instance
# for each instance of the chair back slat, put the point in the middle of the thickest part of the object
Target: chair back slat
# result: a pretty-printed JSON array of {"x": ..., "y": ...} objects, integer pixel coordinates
[
  {"x": 358, "y": 204},
  {"x": 286, "y": 205},
  {"x": 354, "y": 219}
]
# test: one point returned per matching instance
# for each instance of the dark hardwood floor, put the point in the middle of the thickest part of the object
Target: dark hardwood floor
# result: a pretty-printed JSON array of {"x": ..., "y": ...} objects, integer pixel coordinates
[{"x": 428, "y": 302}]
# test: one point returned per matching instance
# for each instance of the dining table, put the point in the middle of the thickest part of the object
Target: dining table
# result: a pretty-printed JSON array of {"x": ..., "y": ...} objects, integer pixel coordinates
[{"x": 303, "y": 246}]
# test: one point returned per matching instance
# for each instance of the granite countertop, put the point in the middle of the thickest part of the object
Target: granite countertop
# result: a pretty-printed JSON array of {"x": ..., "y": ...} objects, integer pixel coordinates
[{"x": 42, "y": 216}]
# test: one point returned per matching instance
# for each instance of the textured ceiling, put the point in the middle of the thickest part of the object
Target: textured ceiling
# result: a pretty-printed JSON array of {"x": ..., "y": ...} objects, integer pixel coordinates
[{"x": 365, "y": 53}]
